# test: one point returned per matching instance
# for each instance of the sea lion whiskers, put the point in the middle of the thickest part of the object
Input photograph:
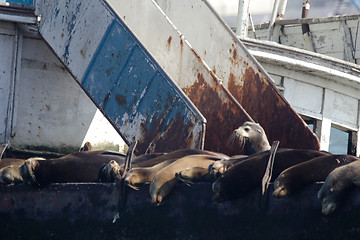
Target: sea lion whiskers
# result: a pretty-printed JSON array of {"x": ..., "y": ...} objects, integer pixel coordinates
[{"x": 236, "y": 139}]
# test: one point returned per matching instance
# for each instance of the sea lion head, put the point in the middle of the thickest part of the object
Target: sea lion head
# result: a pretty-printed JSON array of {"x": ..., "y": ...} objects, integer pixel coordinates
[
  {"x": 217, "y": 168},
  {"x": 250, "y": 138},
  {"x": 110, "y": 172},
  {"x": 327, "y": 206},
  {"x": 28, "y": 171},
  {"x": 282, "y": 186},
  {"x": 356, "y": 181},
  {"x": 329, "y": 193},
  {"x": 133, "y": 179},
  {"x": 10, "y": 175}
]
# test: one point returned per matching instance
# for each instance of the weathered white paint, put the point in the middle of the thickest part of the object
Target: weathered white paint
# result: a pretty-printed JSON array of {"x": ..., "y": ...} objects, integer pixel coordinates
[
  {"x": 333, "y": 36},
  {"x": 7, "y": 38},
  {"x": 242, "y": 18},
  {"x": 80, "y": 44},
  {"x": 49, "y": 111},
  {"x": 303, "y": 95},
  {"x": 323, "y": 132},
  {"x": 319, "y": 87}
]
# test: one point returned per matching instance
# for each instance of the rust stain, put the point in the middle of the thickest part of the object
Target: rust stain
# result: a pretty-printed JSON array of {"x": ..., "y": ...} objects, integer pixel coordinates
[
  {"x": 181, "y": 45},
  {"x": 82, "y": 53},
  {"x": 197, "y": 55},
  {"x": 235, "y": 54},
  {"x": 266, "y": 106},
  {"x": 47, "y": 107},
  {"x": 223, "y": 116},
  {"x": 169, "y": 42},
  {"x": 120, "y": 99},
  {"x": 156, "y": 139},
  {"x": 214, "y": 70}
]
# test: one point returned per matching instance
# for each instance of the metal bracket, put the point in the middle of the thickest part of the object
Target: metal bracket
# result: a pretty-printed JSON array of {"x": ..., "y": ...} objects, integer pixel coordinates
[{"x": 268, "y": 173}]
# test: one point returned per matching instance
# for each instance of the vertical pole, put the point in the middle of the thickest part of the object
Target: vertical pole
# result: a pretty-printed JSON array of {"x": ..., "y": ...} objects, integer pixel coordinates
[
  {"x": 306, "y": 28},
  {"x": 15, "y": 76},
  {"x": 272, "y": 20},
  {"x": 242, "y": 18},
  {"x": 281, "y": 9}
]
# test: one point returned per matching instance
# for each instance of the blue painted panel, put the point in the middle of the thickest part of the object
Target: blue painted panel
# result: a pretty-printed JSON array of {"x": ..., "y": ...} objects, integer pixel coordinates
[
  {"x": 24, "y": 2},
  {"x": 134, "y": 92}
]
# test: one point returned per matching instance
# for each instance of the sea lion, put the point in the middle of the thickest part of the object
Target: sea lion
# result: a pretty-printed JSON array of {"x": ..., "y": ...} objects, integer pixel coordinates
[
  {"x": 10, "y": 175},
  {"x": 113, "y": 171},
  {"x": 194, "y": 174},
  {"x": 11, "y": 161},
  {"x": 247, "y": 174},
  {"x": 87, "y": 147},
  {"x": 165, "y": 180},
  {"x": 251, "y": 138},
  {"x": 9, "y": 171},
  {"x": 297, "y": 177},
  {"x": 356, "y": 181},
  {"x": 109, "y": 172},
  {"x": 143, "y": 175},
  {"x": 176, "y": 155},
  {"x": 147, "y": 161},
  {"x": 219, "y": 167},
  {"x": 337, "y": 184},
  {"x": 74, "y": 167}
]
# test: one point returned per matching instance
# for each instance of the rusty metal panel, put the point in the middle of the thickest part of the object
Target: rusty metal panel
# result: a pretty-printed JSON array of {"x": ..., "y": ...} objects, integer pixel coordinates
[
  {"x": 120, "y": 76},
  {"x": 183, "y": 64},
  {"x": 246, "y": 80}
]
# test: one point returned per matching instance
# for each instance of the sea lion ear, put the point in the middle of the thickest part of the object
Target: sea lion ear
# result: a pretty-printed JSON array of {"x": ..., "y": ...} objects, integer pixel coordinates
[
  {"x": 258, "y": 130},
  {"x": 332, "y": 189}
]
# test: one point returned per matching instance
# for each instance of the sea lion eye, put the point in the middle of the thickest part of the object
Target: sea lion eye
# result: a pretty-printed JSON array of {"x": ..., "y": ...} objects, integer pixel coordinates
[{"x": 247, "y": 129}]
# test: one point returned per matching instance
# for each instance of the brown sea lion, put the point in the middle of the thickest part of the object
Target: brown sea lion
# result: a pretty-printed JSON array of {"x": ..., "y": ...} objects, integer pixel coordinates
[
  {"x": 165, "y": 180},
  {"x": 194, "y": 174},
  {"x": 250, "y": 137},
  {"x": 337, "y": 185},
  {"x": 74, "y": 167},
  {"x": 143, "y": 175},
  {"x": 247, "y": 174},
  {"x": 109, "y": 172},
  {"x": 9, "y": 171},
  {"x": 219, "y": 167},
  {"x": 176, "y": 155},
  {"x": 147, "y": 161},
  {"x": 295, "y": 178},
  {"x": 87, "y": 147},
  {"x": 11, "y": 161},
  {"x": 10, "y": 175},
  {"x": 357, "y": 181}
]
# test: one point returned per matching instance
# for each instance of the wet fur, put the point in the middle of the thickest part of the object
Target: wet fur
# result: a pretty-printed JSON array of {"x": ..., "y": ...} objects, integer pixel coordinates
[
  {"x": 297, "y": 177},
  {"x": 336, "y": 186},
  {"x": 247, "y": 174}
]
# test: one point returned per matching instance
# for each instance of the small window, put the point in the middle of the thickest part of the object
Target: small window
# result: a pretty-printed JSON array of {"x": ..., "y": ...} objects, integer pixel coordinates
[
  {"x": 310, "y": 122},
  {"x": 339, "y": 141}
]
